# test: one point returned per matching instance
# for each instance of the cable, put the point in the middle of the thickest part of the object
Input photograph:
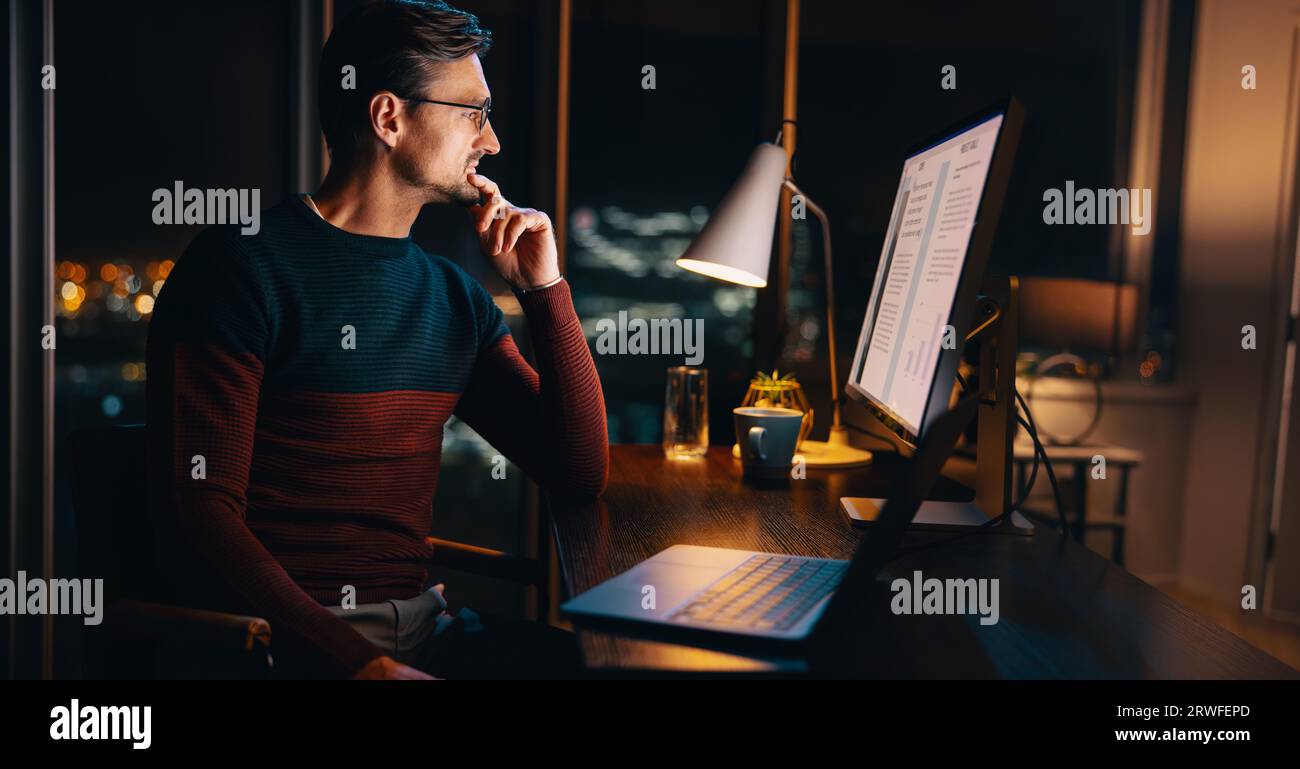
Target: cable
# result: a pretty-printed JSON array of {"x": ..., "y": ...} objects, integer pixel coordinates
[
  {"x": 1033, "y": 474},
  {"x": 1039, "y": 451},
  {"x": 1029, "y": 487},
  {"x": 1047, "y": 462}
]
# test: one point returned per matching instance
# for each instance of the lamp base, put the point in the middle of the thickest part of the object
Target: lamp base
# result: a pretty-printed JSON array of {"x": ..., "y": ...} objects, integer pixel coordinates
[{"x": 827, "y": 454}]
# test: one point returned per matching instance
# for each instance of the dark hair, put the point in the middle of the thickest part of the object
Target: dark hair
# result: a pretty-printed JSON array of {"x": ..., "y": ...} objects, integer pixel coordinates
[{"x": 392, "y": 44}]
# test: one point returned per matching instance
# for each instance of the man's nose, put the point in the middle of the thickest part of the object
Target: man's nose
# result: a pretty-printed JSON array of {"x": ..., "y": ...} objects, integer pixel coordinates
[{"x": 487, "y": 140}]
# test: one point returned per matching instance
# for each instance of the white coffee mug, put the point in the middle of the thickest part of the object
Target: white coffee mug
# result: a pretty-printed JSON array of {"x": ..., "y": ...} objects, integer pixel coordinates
[{"x": 767, "y": 438}]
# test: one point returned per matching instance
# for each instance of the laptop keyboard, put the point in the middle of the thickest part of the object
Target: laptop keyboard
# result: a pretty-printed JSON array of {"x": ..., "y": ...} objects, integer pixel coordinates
[{"x": 766, "y": 592}]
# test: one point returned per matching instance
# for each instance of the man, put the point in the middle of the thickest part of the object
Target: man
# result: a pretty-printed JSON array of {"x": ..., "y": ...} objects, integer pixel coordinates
[{"x": 300, "y": 377}]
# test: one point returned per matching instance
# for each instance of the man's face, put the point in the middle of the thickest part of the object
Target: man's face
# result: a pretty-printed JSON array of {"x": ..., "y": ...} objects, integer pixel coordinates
[{"x": 441, "y": 144}]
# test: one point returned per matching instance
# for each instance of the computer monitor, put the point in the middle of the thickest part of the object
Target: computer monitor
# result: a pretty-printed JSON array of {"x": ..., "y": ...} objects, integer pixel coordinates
[{"x": 932, "y": 264}]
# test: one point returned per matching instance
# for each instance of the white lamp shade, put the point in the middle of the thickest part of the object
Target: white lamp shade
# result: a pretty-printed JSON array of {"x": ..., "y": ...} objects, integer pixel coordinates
[{"x": 736, "y": 243}]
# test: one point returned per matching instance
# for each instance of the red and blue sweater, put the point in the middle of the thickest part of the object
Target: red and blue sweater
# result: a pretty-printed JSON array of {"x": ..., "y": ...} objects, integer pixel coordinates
[{"x": 312, "y": 370}]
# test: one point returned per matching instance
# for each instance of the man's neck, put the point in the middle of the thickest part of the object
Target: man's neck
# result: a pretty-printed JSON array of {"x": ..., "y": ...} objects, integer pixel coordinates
[{"x": 367, "y": 204}]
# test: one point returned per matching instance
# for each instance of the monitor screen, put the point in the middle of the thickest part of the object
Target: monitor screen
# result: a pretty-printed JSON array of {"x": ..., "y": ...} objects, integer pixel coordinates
[{"x": 921, "y": 263}]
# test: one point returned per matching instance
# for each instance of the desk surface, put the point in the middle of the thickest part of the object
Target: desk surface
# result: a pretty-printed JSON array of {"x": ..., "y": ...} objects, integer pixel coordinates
[{"x": 1065, "y": 611}]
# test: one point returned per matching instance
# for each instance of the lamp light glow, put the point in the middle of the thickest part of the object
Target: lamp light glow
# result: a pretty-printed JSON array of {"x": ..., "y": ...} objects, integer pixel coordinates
[{"x": 723, "y": 272}]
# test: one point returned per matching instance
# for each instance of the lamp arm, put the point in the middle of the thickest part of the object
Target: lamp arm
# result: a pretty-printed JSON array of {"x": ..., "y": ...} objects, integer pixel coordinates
[{"x": 830, "y": 298}]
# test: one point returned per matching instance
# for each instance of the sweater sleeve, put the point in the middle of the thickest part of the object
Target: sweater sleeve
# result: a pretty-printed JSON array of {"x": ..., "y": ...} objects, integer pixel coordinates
[
  {"x": 549, "y": 421},
  {"x": 207, "y": 348}
]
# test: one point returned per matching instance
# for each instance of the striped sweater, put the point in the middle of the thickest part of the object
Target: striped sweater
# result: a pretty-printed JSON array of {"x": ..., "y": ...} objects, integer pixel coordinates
[{"x": 299, "y": 381}]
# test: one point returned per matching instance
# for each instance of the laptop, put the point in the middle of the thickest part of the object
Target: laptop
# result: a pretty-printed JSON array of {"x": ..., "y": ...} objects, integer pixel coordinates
[{"x": 771, "y": 597}]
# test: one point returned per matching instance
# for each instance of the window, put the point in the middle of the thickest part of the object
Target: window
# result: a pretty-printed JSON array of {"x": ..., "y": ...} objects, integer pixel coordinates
[{"x": 648, "y": 159}]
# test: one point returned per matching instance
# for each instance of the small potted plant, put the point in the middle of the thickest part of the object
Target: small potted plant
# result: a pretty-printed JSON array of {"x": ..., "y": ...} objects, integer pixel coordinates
[{"x": 777, "y": 390}]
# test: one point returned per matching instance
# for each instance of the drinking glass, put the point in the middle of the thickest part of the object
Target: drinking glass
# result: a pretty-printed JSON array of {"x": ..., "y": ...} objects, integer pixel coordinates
[{"x": 686, "y": 412}]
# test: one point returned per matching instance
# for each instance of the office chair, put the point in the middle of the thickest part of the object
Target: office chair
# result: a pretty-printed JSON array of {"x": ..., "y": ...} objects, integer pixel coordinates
[{"x": 142, "y": 636}]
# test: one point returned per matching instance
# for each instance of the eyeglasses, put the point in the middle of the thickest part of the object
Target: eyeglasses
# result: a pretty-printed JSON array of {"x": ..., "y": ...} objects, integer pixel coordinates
[{"x": 483, "y": 109}]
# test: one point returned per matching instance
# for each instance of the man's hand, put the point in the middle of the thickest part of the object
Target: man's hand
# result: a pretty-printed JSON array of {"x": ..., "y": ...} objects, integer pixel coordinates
[
  {"x": 389, "y": 669},
  {"x": 519, "y": 242}
]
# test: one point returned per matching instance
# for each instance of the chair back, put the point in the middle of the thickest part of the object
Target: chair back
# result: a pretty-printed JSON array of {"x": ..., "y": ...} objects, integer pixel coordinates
[{"x": 108, "y": 468}]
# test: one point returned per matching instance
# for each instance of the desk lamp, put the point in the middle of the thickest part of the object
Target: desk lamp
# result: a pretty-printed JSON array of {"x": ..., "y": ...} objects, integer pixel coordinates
[{"x": 735, "y": 245}]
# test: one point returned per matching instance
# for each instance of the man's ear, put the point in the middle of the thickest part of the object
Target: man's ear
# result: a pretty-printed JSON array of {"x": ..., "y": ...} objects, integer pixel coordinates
[{"x": 386, "y": 111}]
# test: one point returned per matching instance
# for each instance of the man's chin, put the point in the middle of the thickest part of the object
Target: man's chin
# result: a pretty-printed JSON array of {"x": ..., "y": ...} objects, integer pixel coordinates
[
  {"x": 469, "y": 196},
  {"x": 463, "y": 195}
]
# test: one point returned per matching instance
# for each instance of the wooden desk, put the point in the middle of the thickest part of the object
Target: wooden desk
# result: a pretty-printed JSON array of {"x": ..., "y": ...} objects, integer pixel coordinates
[{"x": 1065, "y": 611}]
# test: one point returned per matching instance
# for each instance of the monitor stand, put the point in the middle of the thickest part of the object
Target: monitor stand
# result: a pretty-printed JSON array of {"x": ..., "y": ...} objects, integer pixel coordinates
[
  {"x": 997, "y": 322},
  {"x": 935, "y": 516}
]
